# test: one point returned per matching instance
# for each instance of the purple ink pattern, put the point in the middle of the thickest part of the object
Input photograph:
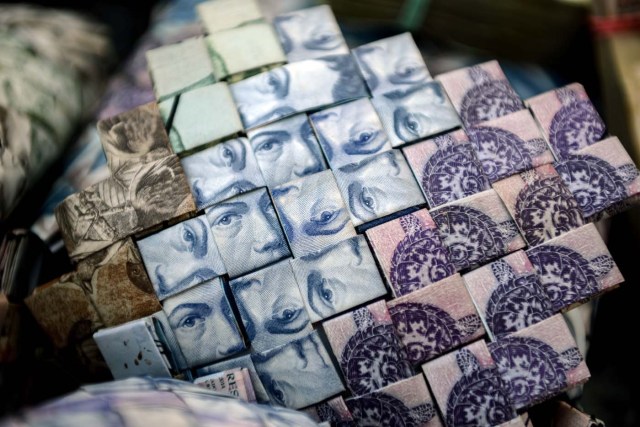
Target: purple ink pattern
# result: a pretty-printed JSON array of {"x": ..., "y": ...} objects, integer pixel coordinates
[
  {"x": 452, "y": 173},
  {"x": 478, "y": 398},
  {"x": 472, "y": 236},
  {"x": 575, "y": 125},
  {"x": 566, "y": 275},
  {"x": 595, "y": 183},
  {"x": 518, "y": 301},
  {"x": 384, "y": 410},
  {"x": 545, "y": 209},
  {"x": 532, "y": 369},
  {"x": 419, "y": 259},
  {"x": 503, "y": 153},
  {"x": 373, "y": 357},
  {"x": 429, "y": 331},
  {"x": 488, "y": 98}
]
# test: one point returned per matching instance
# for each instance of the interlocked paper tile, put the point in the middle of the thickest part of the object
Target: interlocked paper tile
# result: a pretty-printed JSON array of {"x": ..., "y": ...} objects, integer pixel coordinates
[
  {"x": 541, "y": 204},
  {"x": 406, "y": 402},
  {"x": 410, "y": 252},
  {"x": 337, "y": 278},
  {"x": 271, "y": 307},
  {"x": 203, "y": 323},
  {"x": 234, "y": 382},
  {"x": 539, "y": 362},
  {"x": 508, "y": 145},
  {"x": 222, "y": 171},
  {"x": 476, "y": 229},
  {"x": 367, "y": 348},
  {"x": 118, "y": 207},
  {"x": 433, "y": 320},
  {"x": 221, "y": 15},
  {"x": 602, "y": 177},
  {"x": 567, "y": 118},
  {"x": 415, "y": 113},
  {"x": 312, "y": 213},
  {"x": 247, "y": 232},
  {"x": 286, "y": 150},
  {"x": 480, "y": 93},
  {"x": 378, "y": 186},
  {"x": 447, "y": 168},
  {"x": 64, "y": 311},
  {"x": 284, "y": 91},
  {"x": 180, "y": 67},
  {"x": 310, "y": 33},
  {"x": 145, "y": 346},
  {"x": 566, "y": 415},
  {"x": 244, "y": 48},
  {"x": 117, "y": 283},
  {"x": 468, "y": 389},
  {"x": 181, "y": 256},
  {"x": 235, "y": 363},
  {"x": 508, "y": 294},
  {"x": 393, "y": 64},
  {"x": 350, "y": 132},
  {"x": 333, "y": 411},
  {"x": 575, "y": 267},
  {"x": 299, "y": 373}
]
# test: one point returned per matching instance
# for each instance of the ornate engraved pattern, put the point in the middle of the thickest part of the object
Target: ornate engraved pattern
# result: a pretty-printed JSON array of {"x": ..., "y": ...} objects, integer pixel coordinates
[{"x": 384, "y": 410}]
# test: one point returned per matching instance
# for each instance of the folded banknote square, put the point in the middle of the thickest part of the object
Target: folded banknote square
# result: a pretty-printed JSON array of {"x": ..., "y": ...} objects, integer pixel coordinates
[
  {"x": 333, "y": 411},
  {"x": 271, "y": 307},
  {"x": 446, "y": 168},
  {"x": 480, "y": 93},
  {"x": 221, "y": 15},
  {"x": 337, "y": 278},
  {"x": 350, "y": 132},
  {"x": 312, "y": 213},
  {"x": 247, "y": 232},
  {"x": 234, "y": 382},
  {"x": 236, "y": 363},
  {"x": 299, "y": 373},
  {"x": 410, "y": 252},
  {"x": 181, "y": 256},
  {"x": 286, "y": 150},
  {"x": 378, "y": 186},
  {"x": 203, "y": 323}
]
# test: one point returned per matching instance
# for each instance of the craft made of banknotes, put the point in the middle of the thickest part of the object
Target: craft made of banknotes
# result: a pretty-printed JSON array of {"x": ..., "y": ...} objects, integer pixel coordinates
[
  {"x": 480, "y": 93},
  {"x": 393, "y": 64},
  {"x": 350, "y": 132},
  {"x": 271, "y": 307},
  {"x": 222, "y": 15},
  {"x": 225, "y": 170},
  {"x": 181, "y": 256},
  {"x": 244, "y": 362},
  {"x": 539, "y": 362},
  {"x": 415, "y": 113},
  {"x": 310, "y": 33},
  {"x": 568, "y": 119},
  {"x": 247, "y": 232},
  {"x": 575, "y": 267},
  {"x": 203, "y": 323},
  {"x": 286, "y": 150},
  {"x": 337, "y": 278},
  {"x": 285, "y": 91},
  {"x": 602, "y": 177},
  {"x": 508, "y": 294},
  {"x": 299, "y": 373},
  {"x": 312, "y": 212},
  {"x": 378, "y": 186},
  {"x": 446, "y": 168},
  {"x": 410, "y": 252},
  {"x": 234, "y": 382},
  {"x": 333, "y": 411}
]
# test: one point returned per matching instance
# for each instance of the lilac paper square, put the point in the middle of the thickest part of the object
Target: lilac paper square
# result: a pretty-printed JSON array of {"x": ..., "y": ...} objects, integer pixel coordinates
[
  {"x": 333, "y": 411},
  {"x": 480, "y": 93},
  {"x": 509, "y": 144},
  {"x": 367, "y": 348},
  {"x": 508, "y": 294},
  {"x": 410, "y": 252},
  {"x": 476, "y": 229},
  {"x": 433, "y": 320},
  {"x": 446, "y": 168},
  {"x": 575, "y": 267}
]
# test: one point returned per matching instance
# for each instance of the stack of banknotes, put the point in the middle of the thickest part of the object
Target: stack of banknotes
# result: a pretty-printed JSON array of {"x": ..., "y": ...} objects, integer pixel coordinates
[{"x": 337, "y": 231}]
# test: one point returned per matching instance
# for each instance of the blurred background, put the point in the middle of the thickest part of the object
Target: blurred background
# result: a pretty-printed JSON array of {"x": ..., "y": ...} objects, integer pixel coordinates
[{"x": 540, "y": 44}]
